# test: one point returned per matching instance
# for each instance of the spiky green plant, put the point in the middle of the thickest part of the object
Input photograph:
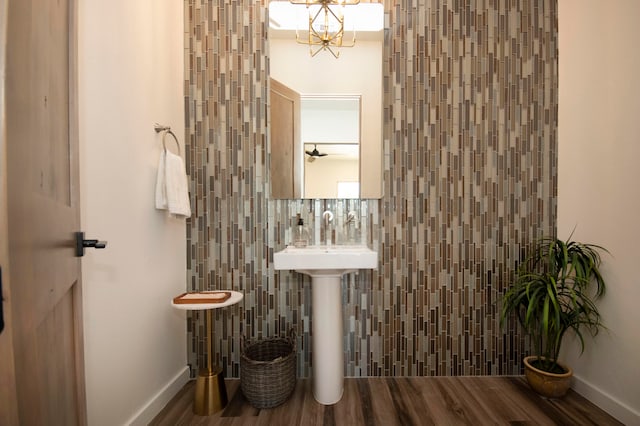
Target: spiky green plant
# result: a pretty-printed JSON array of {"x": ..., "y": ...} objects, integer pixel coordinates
[{"x": 553, "y": 293}]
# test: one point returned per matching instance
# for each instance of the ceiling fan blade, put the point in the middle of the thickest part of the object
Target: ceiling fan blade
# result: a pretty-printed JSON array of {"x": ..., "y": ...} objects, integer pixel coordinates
[{"x": 315, "y": 153}]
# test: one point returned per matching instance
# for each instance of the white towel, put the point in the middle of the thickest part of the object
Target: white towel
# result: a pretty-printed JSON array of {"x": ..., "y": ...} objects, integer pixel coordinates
[
  {"x": 172, "y": 191},
  {"x": 161, "y": 186}
]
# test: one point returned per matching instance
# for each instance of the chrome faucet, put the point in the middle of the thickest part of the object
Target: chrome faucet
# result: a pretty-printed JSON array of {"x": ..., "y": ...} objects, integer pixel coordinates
[
  {"x": 351, "y": 217},
  {"x": 327, "y": 216},
  {"x": 351, "y": 227}
]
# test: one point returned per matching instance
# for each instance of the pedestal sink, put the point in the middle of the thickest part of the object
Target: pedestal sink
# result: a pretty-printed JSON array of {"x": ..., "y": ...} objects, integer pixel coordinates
[{"x": 326, "y": 265}]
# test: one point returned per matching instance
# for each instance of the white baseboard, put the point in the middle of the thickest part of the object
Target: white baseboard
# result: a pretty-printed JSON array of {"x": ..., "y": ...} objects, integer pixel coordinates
[
  {"x": 622, "y": 412},
  {"x": 160, "y": 399}
]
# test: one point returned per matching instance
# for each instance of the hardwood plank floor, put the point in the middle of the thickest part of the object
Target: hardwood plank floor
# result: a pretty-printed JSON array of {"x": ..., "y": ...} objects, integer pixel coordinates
[{"x": 401, "y": 401}]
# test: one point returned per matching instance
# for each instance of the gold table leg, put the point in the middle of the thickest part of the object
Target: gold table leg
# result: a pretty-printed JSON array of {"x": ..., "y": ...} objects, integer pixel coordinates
[{"x": 211, "y": 393}]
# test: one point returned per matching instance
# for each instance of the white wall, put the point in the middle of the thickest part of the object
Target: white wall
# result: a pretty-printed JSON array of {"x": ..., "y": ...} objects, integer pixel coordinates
[
  {"x": 131, "y": 76},
  {"x": 321, "y": 177},
  {"x": 598, "y": 193}
]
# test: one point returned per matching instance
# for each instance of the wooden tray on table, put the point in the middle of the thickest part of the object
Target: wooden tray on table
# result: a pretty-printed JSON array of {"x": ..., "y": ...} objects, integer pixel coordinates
[{"x": 202, "y": 297}]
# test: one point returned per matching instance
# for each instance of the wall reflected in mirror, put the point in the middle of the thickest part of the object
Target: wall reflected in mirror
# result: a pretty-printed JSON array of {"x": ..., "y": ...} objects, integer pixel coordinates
[
  {"x": 334, "y": 175},
  {"x": 330, "y": 128},
  {"x": 355, "y": 75}
]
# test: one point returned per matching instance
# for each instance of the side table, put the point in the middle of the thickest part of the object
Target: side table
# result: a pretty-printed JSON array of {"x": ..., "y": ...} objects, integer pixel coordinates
[{"x": 211, "y": 392}]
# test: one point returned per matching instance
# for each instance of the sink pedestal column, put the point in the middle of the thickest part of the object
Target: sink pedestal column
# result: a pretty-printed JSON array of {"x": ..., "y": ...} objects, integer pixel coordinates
[{"x": 327, "y": 352}]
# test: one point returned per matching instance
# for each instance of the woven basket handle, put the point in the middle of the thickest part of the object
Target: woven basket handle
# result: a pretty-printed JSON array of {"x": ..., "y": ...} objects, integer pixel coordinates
[
  {"x": 292, "y": 338},
  {"x": 243, "y": 343}
]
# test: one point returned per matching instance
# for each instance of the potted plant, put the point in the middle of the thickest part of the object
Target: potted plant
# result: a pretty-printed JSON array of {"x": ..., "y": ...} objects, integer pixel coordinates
[{"x": 554, "y": 291}]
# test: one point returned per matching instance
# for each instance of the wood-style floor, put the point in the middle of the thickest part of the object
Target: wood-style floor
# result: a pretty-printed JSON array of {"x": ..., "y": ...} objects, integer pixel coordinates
[{"x": 399, "y": 401}]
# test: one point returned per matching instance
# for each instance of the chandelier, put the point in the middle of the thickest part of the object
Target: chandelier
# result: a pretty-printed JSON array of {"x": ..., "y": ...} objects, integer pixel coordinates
[{"x": 326, "y": 25}]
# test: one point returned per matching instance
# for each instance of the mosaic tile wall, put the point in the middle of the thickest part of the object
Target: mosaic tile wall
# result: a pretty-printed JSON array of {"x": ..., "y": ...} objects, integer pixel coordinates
[{"x": 470, "y": 128}]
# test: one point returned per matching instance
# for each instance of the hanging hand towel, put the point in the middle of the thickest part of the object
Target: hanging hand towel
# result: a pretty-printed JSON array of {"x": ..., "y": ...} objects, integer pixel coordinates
[
  {"x": 172, "y": 190},
  {"x": 177, "y": 186},
  {"x": 161, "y": 185}
]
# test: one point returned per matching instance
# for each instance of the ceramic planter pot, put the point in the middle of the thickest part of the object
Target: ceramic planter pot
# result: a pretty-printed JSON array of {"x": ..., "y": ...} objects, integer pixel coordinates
[{"x": 549, "y": 385}]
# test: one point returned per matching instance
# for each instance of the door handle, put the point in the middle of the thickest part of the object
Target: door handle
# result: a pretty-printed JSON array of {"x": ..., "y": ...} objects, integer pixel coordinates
[{"x": 82, "y": 243}]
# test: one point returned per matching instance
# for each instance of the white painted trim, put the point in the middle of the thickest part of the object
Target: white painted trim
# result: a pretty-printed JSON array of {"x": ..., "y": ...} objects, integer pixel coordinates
[
  {"x": 160, "y": 399},
  {"x": 606, "y": 402}
]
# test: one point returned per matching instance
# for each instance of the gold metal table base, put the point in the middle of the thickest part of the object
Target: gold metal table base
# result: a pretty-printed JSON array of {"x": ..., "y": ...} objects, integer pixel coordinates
[{"x": 211, "y": 393}]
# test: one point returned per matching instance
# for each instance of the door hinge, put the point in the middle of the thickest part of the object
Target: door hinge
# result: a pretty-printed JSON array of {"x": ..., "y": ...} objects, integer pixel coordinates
[{"x": 1, "y": 304}]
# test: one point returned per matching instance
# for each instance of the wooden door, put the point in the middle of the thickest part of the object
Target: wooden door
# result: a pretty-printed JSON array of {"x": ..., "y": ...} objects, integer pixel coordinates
[
  {"x": 41, "y": 273},
  {"x": 286, "y": 147}
]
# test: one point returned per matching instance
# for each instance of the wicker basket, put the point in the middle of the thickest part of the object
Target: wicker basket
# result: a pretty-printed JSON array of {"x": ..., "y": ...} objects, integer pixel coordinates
[{"x": 268, "y": 370}]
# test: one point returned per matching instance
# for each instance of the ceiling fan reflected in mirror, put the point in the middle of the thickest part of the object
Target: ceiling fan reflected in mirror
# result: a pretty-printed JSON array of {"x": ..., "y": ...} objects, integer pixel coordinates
[{"x": 315, "y": 154}]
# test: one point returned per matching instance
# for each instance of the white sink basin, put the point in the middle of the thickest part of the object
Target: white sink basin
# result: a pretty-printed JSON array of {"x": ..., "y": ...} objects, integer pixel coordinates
[{"x": 326, "y": 260}]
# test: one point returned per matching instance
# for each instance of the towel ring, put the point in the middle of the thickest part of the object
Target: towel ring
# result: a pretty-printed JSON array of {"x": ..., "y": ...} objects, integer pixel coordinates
[{"x": 164, "y": 144}]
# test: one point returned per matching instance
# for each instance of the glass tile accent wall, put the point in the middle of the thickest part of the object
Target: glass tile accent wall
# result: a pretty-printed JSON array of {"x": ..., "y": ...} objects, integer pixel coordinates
[{"x": 470, "y": 158}]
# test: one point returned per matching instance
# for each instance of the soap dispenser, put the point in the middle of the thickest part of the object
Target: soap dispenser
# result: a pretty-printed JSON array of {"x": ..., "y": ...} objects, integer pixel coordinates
[{"x": 300, "y": 233}]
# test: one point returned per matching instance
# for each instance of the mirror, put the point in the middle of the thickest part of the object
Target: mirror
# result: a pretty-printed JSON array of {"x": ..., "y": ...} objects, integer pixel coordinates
[{"x": 331, "y": 95}]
